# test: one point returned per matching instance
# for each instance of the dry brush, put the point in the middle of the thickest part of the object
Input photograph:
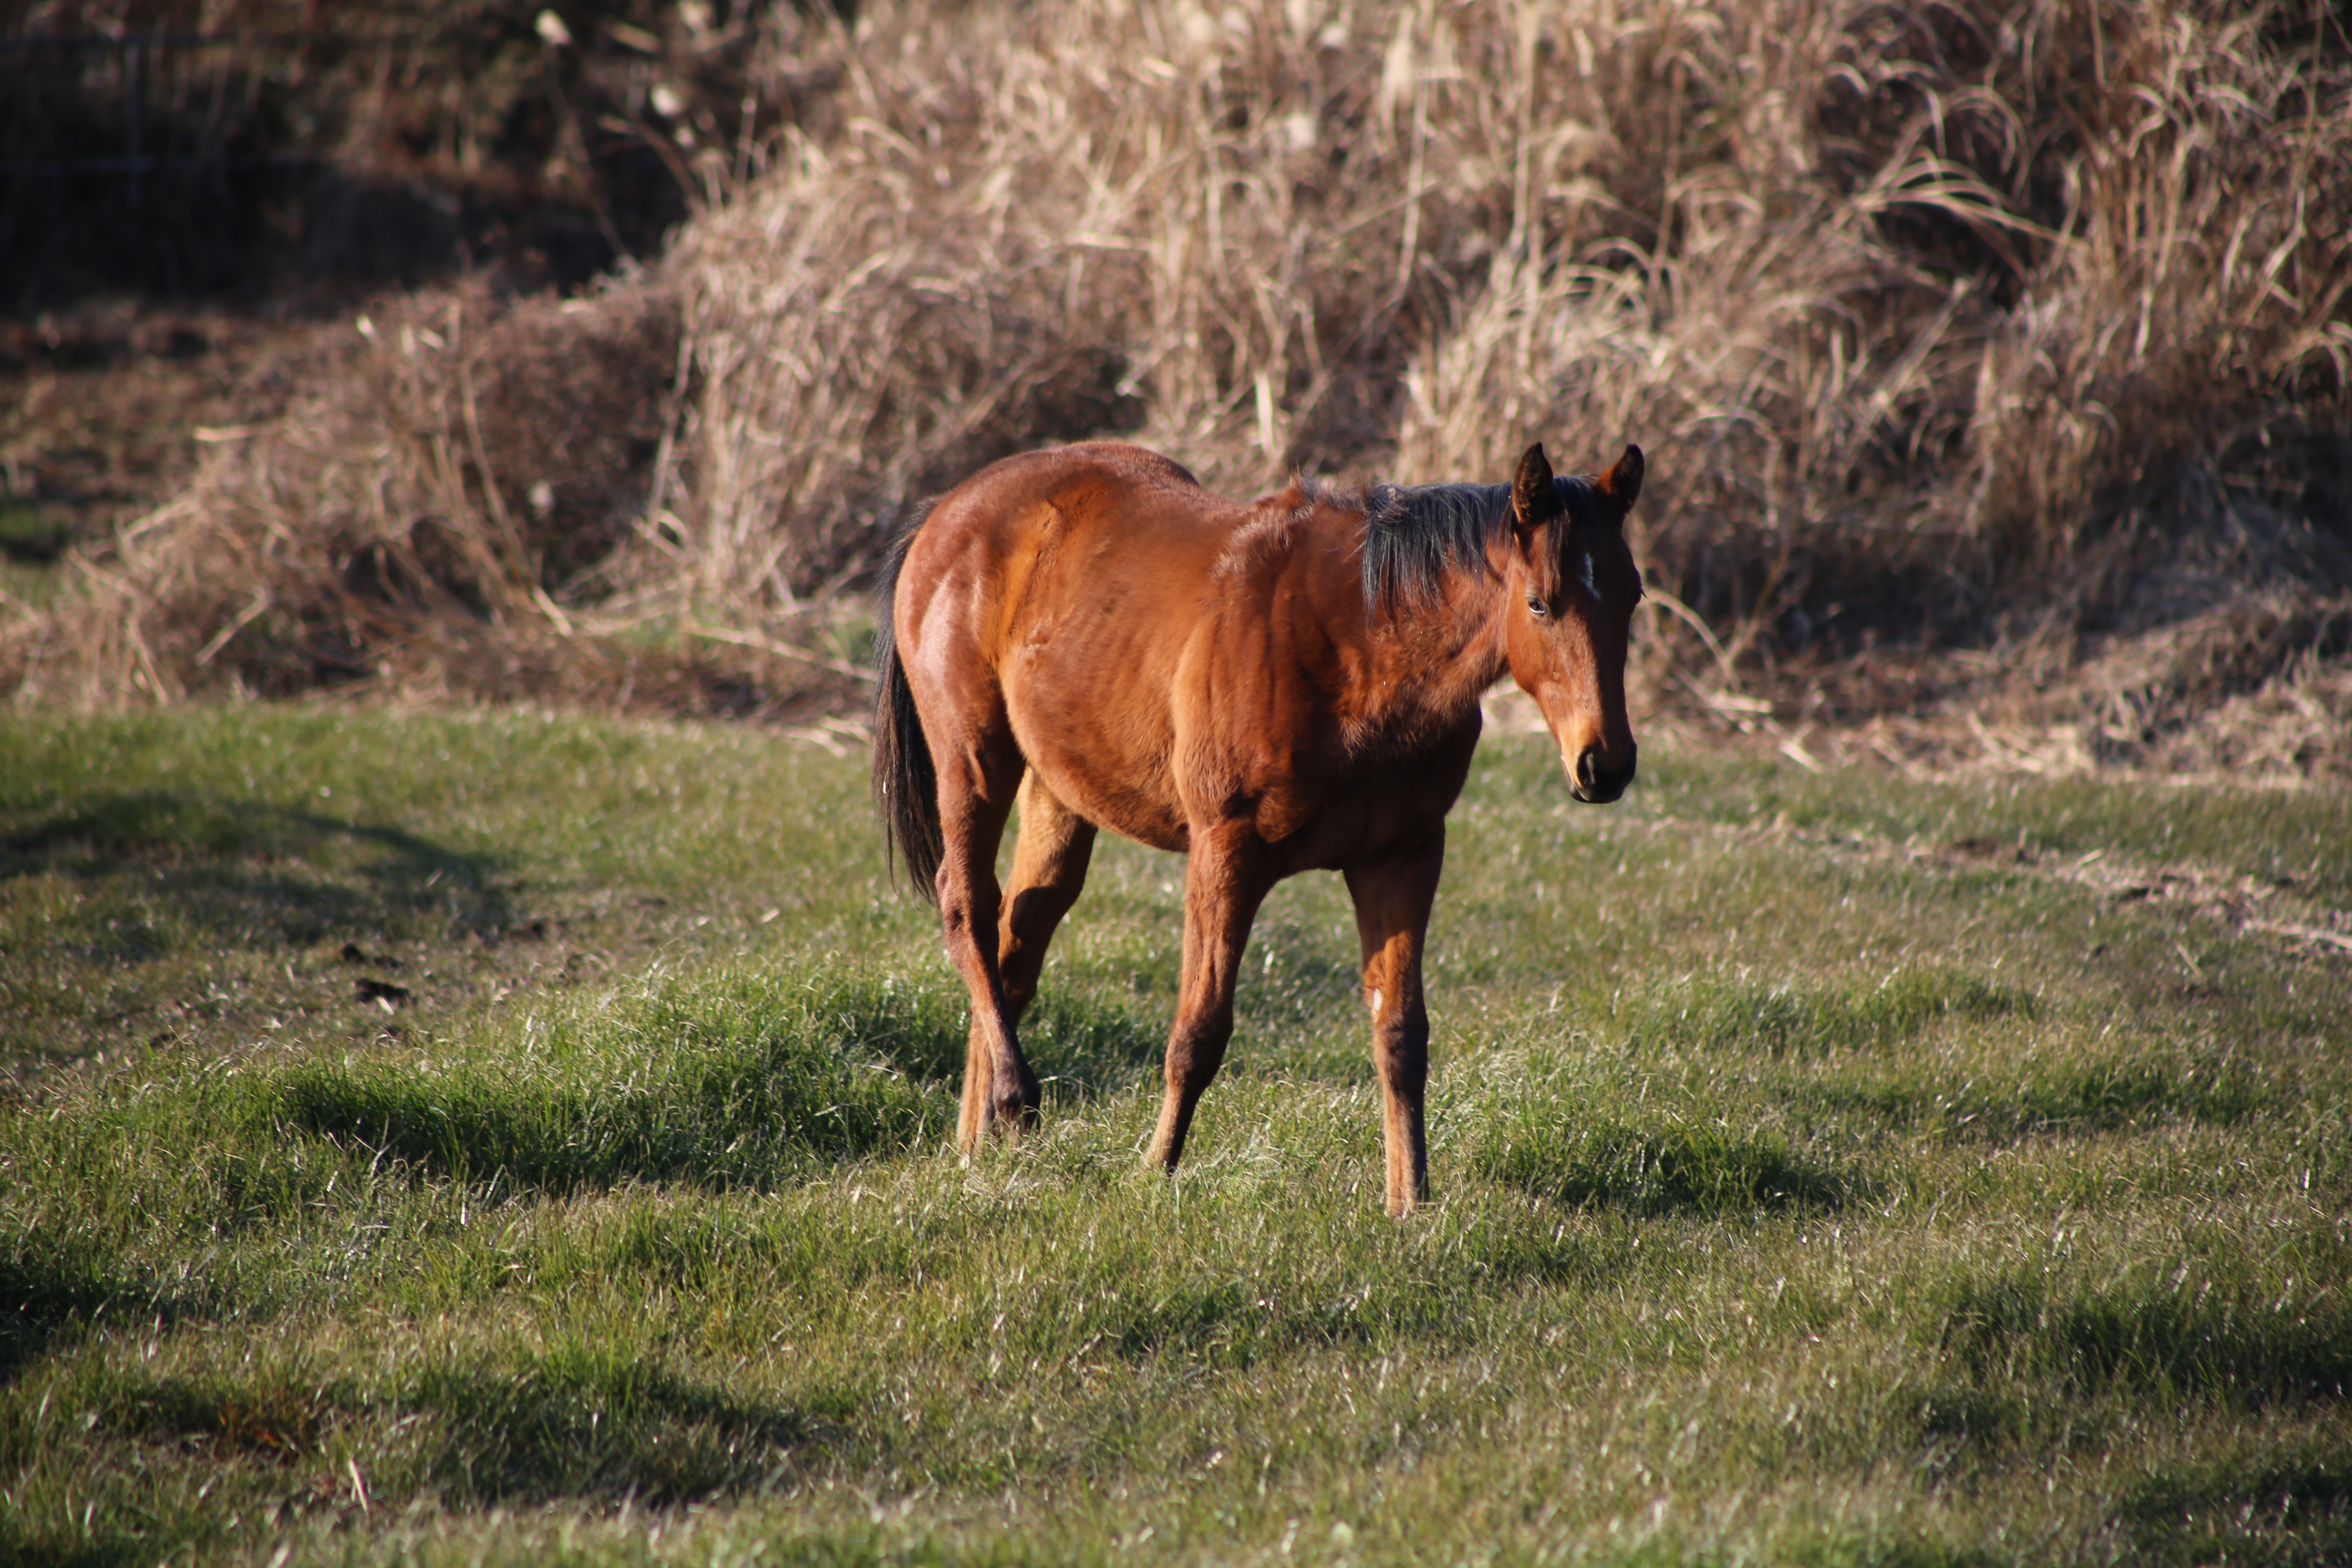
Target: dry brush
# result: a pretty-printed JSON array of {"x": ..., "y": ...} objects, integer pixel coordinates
[{"x": 2019, "y": 328}]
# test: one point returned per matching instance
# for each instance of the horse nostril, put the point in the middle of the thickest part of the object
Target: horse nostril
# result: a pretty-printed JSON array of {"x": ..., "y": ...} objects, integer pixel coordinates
[{"x": 1596, "y": 782}]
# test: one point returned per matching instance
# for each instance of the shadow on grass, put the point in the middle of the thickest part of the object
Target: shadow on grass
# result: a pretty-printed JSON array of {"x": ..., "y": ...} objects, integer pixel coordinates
[
  {"x": 739, "y": 1081},
  {"x": 603, "y": 1424},
  {"x": 1229, "y": 1323},
  {"x": 1954, "y": 1412},
  {"x": 47, "y": 1289},
  {"x": 1869, "y": 1551},
  {"x": 1782, "y": 1019},
  {"x": 594, "y": 1424},
  {"x": 573, "y": 1424},
  {"x": 1139, "y": 1301},
  {"x": 2284, "y": 1511},
  {"x": 40, "y": 1296},
  {"x": 1707, "y": 1168},
  {"x": 31, "y": 1549},
  {"x": 2056, "y": 1098},
  {"x": 1090, "y": 1048},
  {"x": 732, "y": 1081},
  {"x": 2167, "y": 1337},
  {"x": 240, "y": 870}
]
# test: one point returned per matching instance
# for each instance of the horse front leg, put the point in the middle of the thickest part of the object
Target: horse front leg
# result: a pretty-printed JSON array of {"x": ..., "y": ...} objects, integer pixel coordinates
[
  {"x": 1392, "y": 902},
  {"x": 1224, "y": 886}
]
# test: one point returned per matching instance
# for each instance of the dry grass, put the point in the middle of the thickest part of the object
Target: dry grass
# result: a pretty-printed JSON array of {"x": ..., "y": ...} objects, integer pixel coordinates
[
  {"x": 408, "y": 529},
  {"x": 2020, "y": 329}
]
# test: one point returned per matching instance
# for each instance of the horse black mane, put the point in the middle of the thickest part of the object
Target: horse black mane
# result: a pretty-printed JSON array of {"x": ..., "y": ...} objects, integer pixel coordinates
[{"x": 1413, "y": 536}]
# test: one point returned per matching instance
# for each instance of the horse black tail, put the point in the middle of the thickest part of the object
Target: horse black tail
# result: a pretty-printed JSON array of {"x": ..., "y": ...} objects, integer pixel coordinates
[{"x": 906, "y": 784}]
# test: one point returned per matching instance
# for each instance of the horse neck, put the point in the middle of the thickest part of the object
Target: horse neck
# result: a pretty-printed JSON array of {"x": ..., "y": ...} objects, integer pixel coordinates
[{"x": 1435, "y": 656}]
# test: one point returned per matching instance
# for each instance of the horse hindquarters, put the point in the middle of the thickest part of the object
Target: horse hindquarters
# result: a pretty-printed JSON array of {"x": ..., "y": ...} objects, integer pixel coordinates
[
  {"x": 949, "y": 665},
  {"x": 976, "y": 787}
]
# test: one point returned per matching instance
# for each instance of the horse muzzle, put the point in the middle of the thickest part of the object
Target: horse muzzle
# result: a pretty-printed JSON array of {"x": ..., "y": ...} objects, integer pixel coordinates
[{"x": 1594, "y": 782}]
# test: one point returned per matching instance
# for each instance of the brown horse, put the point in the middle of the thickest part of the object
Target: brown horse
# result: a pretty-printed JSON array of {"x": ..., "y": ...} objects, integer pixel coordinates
[{"x": 1272, "y": 686}]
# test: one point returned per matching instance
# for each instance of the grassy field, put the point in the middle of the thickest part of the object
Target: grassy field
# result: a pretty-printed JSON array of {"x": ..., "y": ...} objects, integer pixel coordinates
[{"x": 506, "y": 1139}]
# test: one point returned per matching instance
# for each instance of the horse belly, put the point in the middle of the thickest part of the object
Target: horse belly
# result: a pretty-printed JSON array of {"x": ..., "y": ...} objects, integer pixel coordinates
[{"x": 1094, "y": 726}]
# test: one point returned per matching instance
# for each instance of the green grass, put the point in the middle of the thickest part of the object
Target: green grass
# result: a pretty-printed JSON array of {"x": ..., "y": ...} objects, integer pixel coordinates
[{"x": 1812, "y": 1186}]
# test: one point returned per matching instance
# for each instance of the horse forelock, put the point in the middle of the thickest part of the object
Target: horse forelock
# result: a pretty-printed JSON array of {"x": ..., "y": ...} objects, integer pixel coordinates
[
  {"x": 1589, "y": 526},
  {"x": 1580, "y": 501},
  {"x": 1581, "y": 506}
]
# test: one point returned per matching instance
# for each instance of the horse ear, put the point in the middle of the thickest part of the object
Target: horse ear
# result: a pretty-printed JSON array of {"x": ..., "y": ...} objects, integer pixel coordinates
[
  {"x": 1534, "y": 499},
  {"x": 1622, "y": 483}
]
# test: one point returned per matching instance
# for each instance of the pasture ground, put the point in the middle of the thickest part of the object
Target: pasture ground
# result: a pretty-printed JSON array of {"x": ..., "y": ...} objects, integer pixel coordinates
[{"x": 510, "y": 1139}]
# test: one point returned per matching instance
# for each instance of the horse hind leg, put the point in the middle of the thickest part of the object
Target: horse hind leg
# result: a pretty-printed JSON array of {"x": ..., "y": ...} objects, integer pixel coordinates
[
  {"x": 977, "y": 781},
  {"x": 1049, "y": 872}
]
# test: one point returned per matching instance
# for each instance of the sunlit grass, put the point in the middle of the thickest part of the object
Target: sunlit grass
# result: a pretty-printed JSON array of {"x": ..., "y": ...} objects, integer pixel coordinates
[{"x": 1806, "y": 1191}]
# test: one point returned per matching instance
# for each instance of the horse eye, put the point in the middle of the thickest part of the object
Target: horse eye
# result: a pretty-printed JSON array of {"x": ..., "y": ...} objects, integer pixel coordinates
[{"x": 1538, "y": 607}]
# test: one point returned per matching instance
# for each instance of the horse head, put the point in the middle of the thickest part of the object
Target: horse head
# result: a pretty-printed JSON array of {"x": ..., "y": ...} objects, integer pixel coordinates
[{"x": 1571, "y": 586}]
